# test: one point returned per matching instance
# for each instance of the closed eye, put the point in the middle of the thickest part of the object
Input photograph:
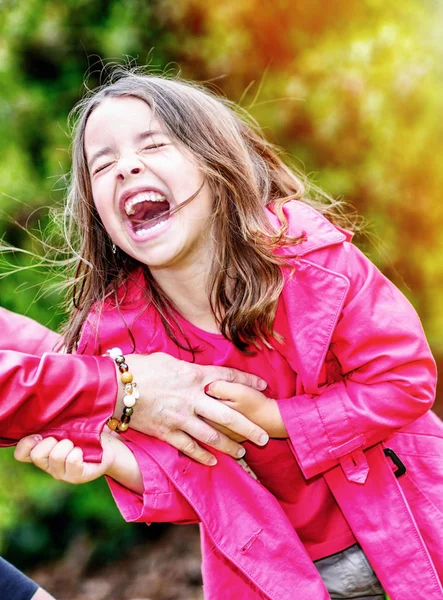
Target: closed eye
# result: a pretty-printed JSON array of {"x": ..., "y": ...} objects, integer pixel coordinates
[
  {"x": 153, "y": 146},
  {"x": 102, "y": 168}
]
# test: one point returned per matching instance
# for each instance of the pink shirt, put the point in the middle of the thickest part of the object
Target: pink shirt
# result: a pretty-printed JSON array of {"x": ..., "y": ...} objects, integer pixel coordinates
[{"x": 309, "y": 505}]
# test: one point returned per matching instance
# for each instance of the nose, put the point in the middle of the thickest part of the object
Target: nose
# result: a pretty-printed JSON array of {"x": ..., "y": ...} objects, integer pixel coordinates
[{"x": 129, "y": 165}]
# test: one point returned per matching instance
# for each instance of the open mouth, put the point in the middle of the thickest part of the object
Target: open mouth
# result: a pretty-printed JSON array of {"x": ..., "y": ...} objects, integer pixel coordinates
[{"x": 146, "y": 211}]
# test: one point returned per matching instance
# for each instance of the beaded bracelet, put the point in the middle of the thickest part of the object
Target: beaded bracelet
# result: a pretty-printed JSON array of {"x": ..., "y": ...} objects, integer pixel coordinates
[{"x": 131, "y": 392}]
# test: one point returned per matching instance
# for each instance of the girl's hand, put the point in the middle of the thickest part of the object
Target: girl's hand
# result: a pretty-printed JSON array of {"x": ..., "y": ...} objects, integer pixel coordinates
[
  {"x": 62, "y": 460},
  {"x": 254, "y": 405}
]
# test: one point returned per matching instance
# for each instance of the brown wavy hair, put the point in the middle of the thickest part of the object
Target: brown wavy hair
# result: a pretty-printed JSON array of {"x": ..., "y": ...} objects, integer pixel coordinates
[{"x": 245, "y": 174}]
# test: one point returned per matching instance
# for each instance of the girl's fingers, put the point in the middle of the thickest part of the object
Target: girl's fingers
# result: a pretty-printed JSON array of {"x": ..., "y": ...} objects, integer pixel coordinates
[
  {"x": 74, "y": 466},
  {"x": 39, "y": 455},
  {"x": 74, "y": 458},
  {"x": 57, "y": 458},
  {"x": 228, "y": 374},
  {"x": 60, "y": 459},
  {"x": 225, "y": 390},
  {"x": 22, "y": 451},
  {"x": 221, "y": 413}
]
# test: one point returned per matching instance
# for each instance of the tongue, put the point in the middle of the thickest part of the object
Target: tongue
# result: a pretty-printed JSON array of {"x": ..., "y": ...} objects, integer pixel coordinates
[{"x": 147, "y": 214}]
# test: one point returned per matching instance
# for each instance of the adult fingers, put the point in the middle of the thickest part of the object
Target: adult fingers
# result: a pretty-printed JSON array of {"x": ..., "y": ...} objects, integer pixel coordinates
[
  {"x": 57, "y": 458},
  {"x": 40, "y": 453},
  {"x": 212, "y": 373},
  {"x": 230, "y": 434},
  {"x": 22, "y": 451},
  {"x": 222, "y": 414},
  {"x": 215, "y": 437},
  {"x": 188, "y": 446}
]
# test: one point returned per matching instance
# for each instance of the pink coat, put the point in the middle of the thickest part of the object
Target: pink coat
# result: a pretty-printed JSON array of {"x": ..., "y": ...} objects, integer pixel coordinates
[{"x": 366, "y": 382}]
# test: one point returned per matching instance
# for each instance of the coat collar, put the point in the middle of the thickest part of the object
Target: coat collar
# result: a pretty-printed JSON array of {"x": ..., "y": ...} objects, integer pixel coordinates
[
  {"x": 313, "y": 296},
  {"x": 306, "y": 222}
]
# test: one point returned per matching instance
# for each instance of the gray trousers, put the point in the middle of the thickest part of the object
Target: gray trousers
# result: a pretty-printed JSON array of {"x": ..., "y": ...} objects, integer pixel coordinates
[{"x": 348, "y": 575}]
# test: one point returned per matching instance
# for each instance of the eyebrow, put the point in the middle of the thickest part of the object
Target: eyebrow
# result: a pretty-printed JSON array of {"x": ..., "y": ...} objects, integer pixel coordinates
[
  {"x": 108, "y": 150},
  {"x": 98, "y": 154},
  {"x": 148, "y": 133}
]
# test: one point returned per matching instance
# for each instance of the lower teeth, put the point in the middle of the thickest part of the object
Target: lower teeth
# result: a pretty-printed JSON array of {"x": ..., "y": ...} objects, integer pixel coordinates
[{"x": 142, "y": 232}]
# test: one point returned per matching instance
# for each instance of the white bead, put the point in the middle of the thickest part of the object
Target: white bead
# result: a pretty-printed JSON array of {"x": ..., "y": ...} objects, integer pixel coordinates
[
  {"x": 129, "y": 400},
  {"x": 131, "y": 388},
  {"x": 115, "y": 353}
]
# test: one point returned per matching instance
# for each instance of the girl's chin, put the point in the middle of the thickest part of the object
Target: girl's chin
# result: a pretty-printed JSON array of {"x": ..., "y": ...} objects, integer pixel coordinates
[{"x": 159, "y": 256}]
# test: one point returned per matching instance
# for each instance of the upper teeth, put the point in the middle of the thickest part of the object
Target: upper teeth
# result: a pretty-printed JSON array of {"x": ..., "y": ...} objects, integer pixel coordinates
[{"x": 142, "y": 197}]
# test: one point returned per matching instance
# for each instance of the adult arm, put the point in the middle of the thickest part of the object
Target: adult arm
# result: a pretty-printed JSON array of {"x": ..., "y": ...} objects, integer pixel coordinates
[
  {"x": 72, "y": 396},
  {"x": 62, "y": 395}
]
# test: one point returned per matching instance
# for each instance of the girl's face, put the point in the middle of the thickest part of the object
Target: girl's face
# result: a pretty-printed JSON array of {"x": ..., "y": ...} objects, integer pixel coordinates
[{"x": 137, "y": 174}]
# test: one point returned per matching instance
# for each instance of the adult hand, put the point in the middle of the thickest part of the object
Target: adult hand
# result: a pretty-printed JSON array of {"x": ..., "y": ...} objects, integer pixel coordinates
[{"x": 173, "y": 405}]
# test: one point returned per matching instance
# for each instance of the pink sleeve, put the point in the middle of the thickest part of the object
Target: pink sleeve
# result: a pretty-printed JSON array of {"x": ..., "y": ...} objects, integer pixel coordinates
[
  {"x": 161, "y": 502},
  {"x": 65, "y": 396},
  {"x": 386, "y": 377}
]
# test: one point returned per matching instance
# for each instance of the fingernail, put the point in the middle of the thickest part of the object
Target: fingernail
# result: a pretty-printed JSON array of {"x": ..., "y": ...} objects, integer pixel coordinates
[
  {"x": 262, "y": 385},
  {"x": 207, "y": 392},
  {"x": 37, "y": 438},
  {"x": 263, "y": 439},
  {"x": 212, "y": 461},
  {"x": 240, "y": 453}
]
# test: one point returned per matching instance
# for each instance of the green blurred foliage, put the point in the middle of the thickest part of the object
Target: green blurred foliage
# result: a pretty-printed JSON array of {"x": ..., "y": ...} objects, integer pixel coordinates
[{"x": 352, "y": 89}]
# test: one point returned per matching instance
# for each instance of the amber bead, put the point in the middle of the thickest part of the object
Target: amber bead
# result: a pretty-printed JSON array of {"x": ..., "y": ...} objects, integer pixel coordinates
[
  {"x": 127, "y": 377},
  {"x": 125, "y": 419},
  {"x": 113, "y": 424},
  {"x": 123, "y": 427}
]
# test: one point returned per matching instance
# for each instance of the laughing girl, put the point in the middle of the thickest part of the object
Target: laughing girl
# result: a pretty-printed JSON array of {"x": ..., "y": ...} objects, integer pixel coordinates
[{"x": 198, "y": 241}]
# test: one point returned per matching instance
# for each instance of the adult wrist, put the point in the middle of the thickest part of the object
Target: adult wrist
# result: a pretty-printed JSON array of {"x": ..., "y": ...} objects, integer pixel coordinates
[
  {"x": 118, "y": 407},
  {"x": 129, "y": 392}
]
